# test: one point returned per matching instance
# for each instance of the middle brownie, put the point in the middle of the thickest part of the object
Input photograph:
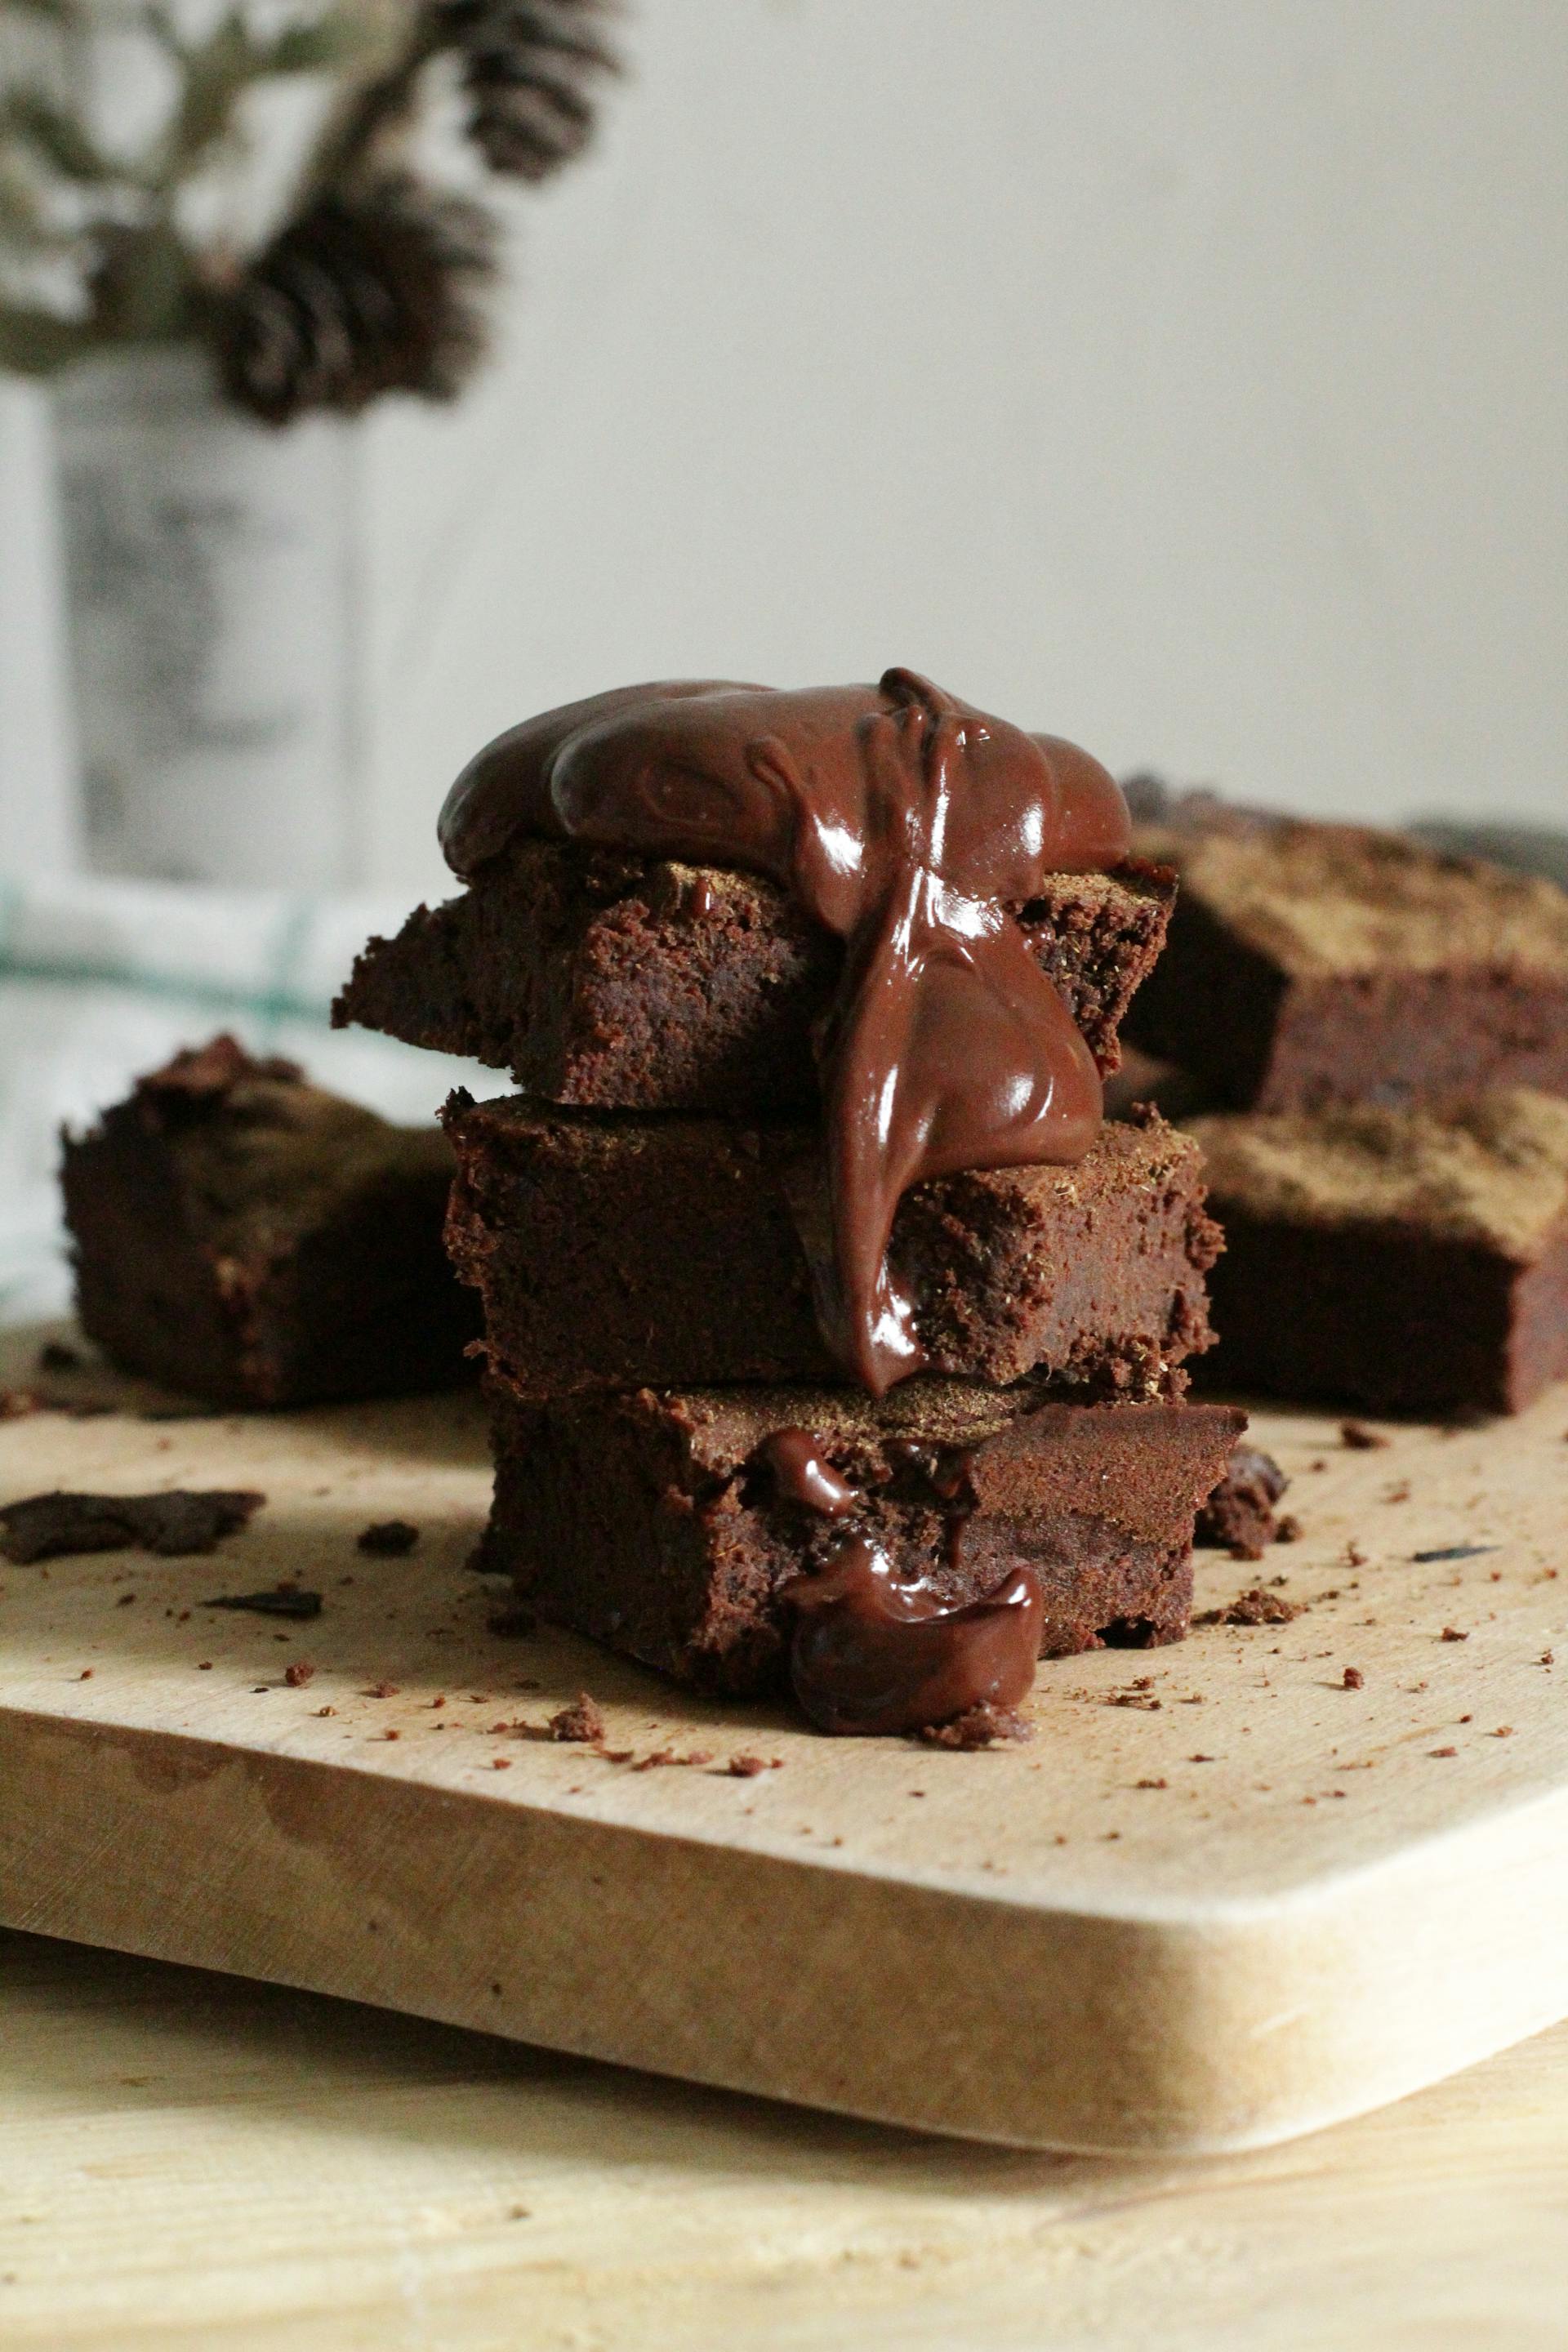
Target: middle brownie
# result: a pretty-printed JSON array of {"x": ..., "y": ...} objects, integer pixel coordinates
[{"x": 613, "y": 1252}]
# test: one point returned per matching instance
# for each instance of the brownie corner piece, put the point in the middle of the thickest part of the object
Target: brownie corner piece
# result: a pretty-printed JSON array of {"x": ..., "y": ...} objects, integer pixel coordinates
[
  {"x": 1408, "y": 1260},
  {"x": 1315, "y": 963},
  {"x": 655, "y": 1521},
  {"x": 245, "y": 1236},
  {"x": 611, "y": 981}
]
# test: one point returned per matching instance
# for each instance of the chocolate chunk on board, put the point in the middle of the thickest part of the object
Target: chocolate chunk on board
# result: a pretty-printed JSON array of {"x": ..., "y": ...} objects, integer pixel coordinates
[
  {"x": 664, "y": 1252},
  {"x": 281, "y": 1601},
  {"x": 1405, "y": 1261},
  {"x": 635, "y": 984},
  {"x": 1238, "y": 1516},
  {"x": 658, "y": 1524},
  {"x": 249, "y": 1238},
  {"x": 57, "y": 1526},
  {"x": 1310, "y": 964}
]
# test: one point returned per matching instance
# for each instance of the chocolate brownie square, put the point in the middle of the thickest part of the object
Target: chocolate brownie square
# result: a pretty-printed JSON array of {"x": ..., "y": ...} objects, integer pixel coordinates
[
  {"x": 617, "y": 1251},
  {"x": 659, "y": 1522},
  {"x": 250, "y": 1238},
  {"x": 629, "y": 983},
  {"x": 1310, "y": 964},
  {"x": 1405, "y": 1261}
]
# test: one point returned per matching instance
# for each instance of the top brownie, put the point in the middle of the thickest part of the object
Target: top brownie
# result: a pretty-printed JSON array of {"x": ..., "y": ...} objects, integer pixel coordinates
[
  {"x": 1315, "y": 964},
  {"x": 612, "y": 982}
]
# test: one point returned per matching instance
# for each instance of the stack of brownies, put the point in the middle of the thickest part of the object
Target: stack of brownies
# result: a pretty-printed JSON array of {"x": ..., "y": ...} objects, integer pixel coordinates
[
  {"x": 830, "y": 1334},
  {"x": 1379, "y": 1034}
]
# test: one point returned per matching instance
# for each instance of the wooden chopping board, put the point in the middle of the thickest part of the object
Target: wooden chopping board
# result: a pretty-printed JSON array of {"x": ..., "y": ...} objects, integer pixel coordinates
[{"x": 1220, "y": 1898}]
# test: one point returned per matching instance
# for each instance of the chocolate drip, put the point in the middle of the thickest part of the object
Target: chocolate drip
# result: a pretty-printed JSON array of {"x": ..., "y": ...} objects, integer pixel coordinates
[
  {"x": 910, "y": 825},
  {"x": 872, "y": 1654},
  {"x": 806, "y": 1476}
]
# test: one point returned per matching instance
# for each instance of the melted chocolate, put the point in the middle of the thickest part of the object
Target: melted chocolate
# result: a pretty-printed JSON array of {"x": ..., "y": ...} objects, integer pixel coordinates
[
  {"x": 910, "y": 825},
  {"x": 872, "y": 1654},
  {"x": 805, "y": 1475}
]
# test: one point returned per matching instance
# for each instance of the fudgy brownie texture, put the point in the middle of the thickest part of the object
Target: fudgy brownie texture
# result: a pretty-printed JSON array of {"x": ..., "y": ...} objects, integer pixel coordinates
[
  {"x": 622, "y": 983},
  {"x": 1310, "y": 964},
  {"x": 1407, "y": 1261},
  {"x": 608, "y": 1251},
  {"x": 656, "y": 1522},
  {"x": 1238, "y": 1516},
  {"x": 250, "y": 1238}
]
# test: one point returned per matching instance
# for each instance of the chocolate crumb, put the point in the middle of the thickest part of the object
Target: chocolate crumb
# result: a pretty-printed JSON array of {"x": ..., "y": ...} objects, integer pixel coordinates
[
  {"x": 1452, "y": 1633},
  {"x": 388, "y": 1539},
  {"x": 1256, "y": 1606},
  {"x": 125, "y": 1599},
  {"x": 326, "y": 1710},
  {"x": 62, "y": 1526},
  {"x": 978, "y": 1726},
  {"x": 584, "y": 1720},
  {"x": 392, "y": 1735},
  {"x": 381, "y": 1690},
  {"x": 500, "y": 1763},
  {"x": 1353, "y": 1679},
  {"x": 739, "y": 1768},
  {"x": 1151, "y": 1784},
  {"x": 283, "y": 1600},
  {"x": 299, "y": 1673},
  {"x": 513, "y": 1621},
  {"x": 1442, "y": 1751},
  {"x": 85, "y": 1675},
  {"x": 1503, "y": 1731},
  {"x": 1288, "y": 1529},
  {"x": 1358, "y": 1437}
]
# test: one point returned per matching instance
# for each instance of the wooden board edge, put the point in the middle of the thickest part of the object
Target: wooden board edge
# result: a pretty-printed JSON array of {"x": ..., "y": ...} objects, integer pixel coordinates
[{"x": 981, "y": 2018}]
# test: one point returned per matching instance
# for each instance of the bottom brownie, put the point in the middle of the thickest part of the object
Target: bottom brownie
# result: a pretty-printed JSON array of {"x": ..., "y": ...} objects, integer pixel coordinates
[{"x": 667, "y": 1524}]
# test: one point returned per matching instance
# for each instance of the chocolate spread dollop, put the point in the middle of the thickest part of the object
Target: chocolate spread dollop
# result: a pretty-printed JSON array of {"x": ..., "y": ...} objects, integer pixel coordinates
[
  {"x": 871, "y": 1653},
  {"x": 912, "y": 826}
]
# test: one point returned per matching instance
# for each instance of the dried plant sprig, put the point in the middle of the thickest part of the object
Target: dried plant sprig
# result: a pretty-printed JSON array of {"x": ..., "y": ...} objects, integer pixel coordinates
[{"x": 369, "y": 284}]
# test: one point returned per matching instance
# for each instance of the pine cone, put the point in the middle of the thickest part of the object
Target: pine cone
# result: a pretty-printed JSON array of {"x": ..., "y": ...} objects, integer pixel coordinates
[
  {"x": 527, "y": 66},
  {"x": 361, "y": 295}
]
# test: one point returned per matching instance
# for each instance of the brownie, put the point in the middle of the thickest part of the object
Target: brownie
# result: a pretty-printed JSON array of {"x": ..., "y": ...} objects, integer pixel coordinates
[
  {"x": 663, "y": 1251},
  {"x": 627, "y": 984},
  {"x": 1310, "y": 964},
  {"x": 1405, "y": 1261},
  {"x": 1238, "y": 1516},
  {"x": 250, "y": 1238},
  {"x": 657, "y": 1523}
]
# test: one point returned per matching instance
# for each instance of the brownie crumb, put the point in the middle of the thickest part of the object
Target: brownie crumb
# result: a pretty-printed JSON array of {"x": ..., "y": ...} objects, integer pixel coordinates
[
  {"x": 1238, "y": 1516},
  {"x": 1256, "y": 1606},
  {"x": 1442, "y": 1751},
  {"x": 583, "y": 1720},
  {"x": 739, "y": 1768},
  {"x": 1288, "y": 1529},
  {"x": 1452, "y": 1633},
  {"x": 1358, "y": 1437},
  {"x": 979, "y": 1727},
  {"x": 283, "y": 1600},
  {"x": 388, "y": 1539},
  {"x": 382, "y": 1690},
  {"x": 511, "y": 1623},
  {"x": 299, "y": 1673},
  {"x": 1353, "y": 1679},
  {"x": 1161, "y": 1783},
  {"x": 61, "y": 1526}
]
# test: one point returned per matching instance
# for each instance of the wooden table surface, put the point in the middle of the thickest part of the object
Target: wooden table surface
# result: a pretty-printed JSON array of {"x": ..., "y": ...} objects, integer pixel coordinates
[{"x": 189, "y": 2161}]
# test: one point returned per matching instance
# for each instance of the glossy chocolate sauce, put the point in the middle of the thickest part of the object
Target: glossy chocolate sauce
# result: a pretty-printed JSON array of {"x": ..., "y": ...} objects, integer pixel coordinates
[
  {"x": 910, "y": 825},
  {"x": 872, "y": 1652}
]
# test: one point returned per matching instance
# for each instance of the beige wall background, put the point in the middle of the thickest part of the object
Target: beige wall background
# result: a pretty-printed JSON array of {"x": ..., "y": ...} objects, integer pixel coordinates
[{"x": 1183, "y": 376}]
